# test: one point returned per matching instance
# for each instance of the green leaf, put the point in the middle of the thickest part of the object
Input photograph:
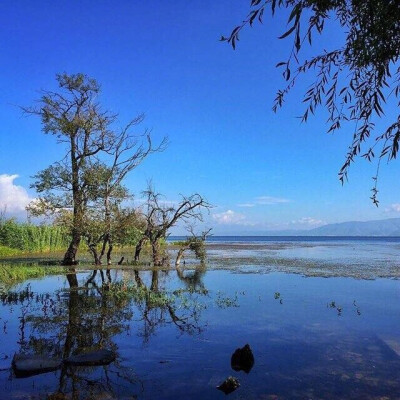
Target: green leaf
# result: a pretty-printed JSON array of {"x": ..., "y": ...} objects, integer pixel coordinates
[{"x": 287, "y": 33}]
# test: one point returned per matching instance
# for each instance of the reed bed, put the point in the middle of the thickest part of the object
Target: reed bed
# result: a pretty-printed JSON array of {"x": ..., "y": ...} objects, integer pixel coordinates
[{"x": 31, "y": 238}]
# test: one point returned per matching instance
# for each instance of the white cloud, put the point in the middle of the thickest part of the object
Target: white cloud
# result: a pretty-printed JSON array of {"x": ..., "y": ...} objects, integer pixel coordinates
[
  {"x": 308, "y": 221},
  {"x": 270, "y": 200},
  {"x": 395, "y": 207},
  {"x": 13, "y": 198},
  {"x": 264, "y": 200},
  {"x": 229, "y": 218},
  {"x": 246, "y": 205}
]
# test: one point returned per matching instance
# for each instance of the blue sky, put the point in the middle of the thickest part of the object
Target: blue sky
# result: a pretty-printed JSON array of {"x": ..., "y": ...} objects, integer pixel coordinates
[{"x": 260, "y": 170}]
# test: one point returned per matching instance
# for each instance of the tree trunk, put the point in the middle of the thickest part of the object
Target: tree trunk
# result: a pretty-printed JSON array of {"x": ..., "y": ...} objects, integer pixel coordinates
[
  {"x": 179, "y": 256},
  {"x": 108, "y": 238},
  {"x": 91, "y": 279},
  {"x": 154, "y": 281},
  {"x": 110, "y": 249},
  {"x": 138, "y": 249},
  {"x": 155, "y": 246},
  {"x": 103, "y": 247},
  {"x": 70, "y": 255},
  {"x": 73, "y": 324},
  {"x": 93, "y": 250},
  {"x": 78, "y": 206},
  {"x": 138, "y": 280}
]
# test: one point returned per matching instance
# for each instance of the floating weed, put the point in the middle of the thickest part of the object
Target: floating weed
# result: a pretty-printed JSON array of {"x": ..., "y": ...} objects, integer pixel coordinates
[
  {"x": 191, "y": 290},
  {"x": 277, "y": 296},
  {"x": 223, "y": 301},
  {"x": 333, "y": 304},
  {"x": 358, "y": 311},
  {"x": 121, "y": 290}
]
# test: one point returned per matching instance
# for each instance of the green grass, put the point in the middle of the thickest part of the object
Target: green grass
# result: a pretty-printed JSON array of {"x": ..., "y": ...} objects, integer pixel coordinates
[
  {"x": 31, "y": 238},
  {"x": 8, "y": 252},
  {"x": 12, "y": 274}
]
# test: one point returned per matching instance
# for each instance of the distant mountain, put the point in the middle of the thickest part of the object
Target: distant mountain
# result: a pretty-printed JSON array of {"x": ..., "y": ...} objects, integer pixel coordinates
[{"x": 382, "y": 227}]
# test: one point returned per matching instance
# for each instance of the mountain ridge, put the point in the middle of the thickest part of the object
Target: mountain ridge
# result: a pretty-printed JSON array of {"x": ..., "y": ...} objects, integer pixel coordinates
[{"x": 379, "y": 227}]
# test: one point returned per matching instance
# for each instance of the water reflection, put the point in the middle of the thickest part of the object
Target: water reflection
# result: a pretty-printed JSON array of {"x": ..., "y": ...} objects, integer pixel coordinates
[
  {"x": 174, "y": 334},
  {"x": 88, "y": 315}
]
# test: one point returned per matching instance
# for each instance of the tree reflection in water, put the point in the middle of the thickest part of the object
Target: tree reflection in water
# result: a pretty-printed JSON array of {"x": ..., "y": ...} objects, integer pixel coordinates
[{"x": 92, "y": 312}]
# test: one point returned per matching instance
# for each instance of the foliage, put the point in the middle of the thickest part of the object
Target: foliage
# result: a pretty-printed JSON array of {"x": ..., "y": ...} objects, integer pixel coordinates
[
  {"x": 123, "y": 226},
  {"x": 223, "y": 301},
  {"x": 8, "y": 252},
  {"x": 354, "y": 81},
  {"x": 97, "y": 158},
  {"x": 194, "y": 243},
  {"x": 140, "y": 294},
  {"x": 31, "y": 238}
]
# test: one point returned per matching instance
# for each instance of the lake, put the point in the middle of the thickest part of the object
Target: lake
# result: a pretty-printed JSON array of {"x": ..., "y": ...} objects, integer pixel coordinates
[{"x": 321, "y": 318}]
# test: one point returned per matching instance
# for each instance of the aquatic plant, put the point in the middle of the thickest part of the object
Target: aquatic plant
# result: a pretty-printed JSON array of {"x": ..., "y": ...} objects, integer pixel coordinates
[
  {"x": 27, "y": 237},
  {"x": 223, "y": 301},
  {"x": 130, "y": 291},
  {"x": 333, "y": 304},
  {"x": 12, "y": 274}
]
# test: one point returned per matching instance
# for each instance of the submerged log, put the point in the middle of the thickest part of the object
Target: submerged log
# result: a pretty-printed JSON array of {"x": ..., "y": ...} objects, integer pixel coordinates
[
  {"x": 25, "y": 365},
  {"x": 98, "y": 357}
]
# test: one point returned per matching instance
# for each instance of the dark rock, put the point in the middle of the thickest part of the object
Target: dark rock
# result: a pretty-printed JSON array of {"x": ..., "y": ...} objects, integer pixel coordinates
[
  {"x": 25, "y": 365},
  {"x": 99, "y": 357},
  {"x": 229, "y": 385},
  {"x": 242, "y": 359}
]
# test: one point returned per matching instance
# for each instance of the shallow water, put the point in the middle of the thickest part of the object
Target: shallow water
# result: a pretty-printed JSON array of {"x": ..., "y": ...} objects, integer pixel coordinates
[{"x": 174, "y": 331}]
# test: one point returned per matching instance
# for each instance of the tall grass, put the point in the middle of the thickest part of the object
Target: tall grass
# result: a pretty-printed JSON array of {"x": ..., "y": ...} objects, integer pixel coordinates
[
  {"x": 12, "y": 274},
  {"x": 32, "y": 238},
  {"x": 7, "y": 252}
]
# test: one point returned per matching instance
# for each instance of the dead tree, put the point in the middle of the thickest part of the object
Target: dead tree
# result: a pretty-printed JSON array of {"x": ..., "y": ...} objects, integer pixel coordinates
[
  {"x": 127, "y": 152},
  {"x": 195, "y": 243},
  {"x": 160, "y": 217}
]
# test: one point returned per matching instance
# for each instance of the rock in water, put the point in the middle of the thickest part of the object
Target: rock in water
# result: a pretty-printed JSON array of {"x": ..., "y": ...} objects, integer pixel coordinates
[
  {"x": 99, "y": 357},
  {"x": 242, "y": 359},
  {"x": 25, "y": 365},
  {"x": 229, "y": 385}
]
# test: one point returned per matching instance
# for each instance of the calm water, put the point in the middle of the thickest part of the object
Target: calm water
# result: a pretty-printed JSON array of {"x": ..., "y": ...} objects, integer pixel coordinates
[
  {"x": 320, "y": 239},
  {"x": 174, "y": 331}
]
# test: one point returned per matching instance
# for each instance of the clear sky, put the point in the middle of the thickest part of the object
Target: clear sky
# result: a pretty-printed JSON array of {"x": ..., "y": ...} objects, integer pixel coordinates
[{"x": 260, "y": 170}]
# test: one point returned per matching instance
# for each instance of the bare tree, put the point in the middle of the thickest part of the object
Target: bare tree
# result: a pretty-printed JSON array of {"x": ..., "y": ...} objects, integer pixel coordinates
[
  {"x": 127, "y": 152},
  {"x": 161, "y": 217},
  {"x": 195, "y": 243}
]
